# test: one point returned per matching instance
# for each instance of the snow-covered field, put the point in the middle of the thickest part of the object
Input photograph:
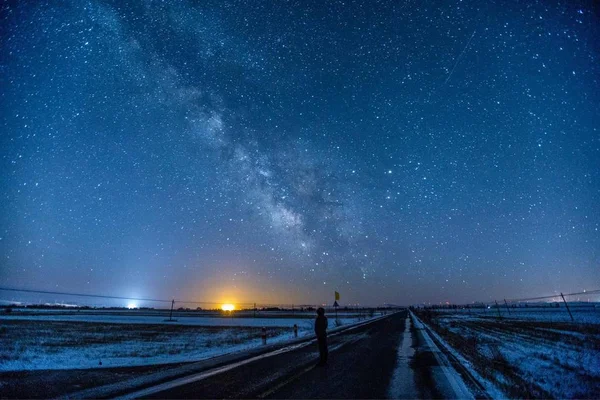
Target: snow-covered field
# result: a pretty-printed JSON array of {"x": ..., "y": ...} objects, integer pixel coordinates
[
  {"x": 65, "y": 340},
  {"x": 534, "y": 354}
]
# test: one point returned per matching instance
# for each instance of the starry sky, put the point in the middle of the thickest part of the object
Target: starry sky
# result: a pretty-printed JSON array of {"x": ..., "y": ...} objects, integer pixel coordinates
[{"x": 275, "y": 151}]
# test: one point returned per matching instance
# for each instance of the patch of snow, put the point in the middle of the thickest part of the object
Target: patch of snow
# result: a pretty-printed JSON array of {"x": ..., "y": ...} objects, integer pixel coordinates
[{"x": 79, "y": 340}]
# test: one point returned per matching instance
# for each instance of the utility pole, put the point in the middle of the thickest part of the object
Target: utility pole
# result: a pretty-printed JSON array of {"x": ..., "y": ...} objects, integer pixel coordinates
[
  {"x": 171, "y": 314},
  {"x": 498, "y": 309},
  {"x": 508, "y": 309},
  {"x": 566, "y": 304}
]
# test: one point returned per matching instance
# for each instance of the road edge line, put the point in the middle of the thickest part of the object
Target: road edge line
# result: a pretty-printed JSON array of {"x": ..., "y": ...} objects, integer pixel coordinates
[
  {"x": 460, "y": 388},
  {"x": 465, "y": 368}
]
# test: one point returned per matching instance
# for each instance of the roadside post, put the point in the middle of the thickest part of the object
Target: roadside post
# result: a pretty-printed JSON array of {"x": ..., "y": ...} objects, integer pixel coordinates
[
  {"x": 336, "y": 305},
  {"x": 507, "y": 309},
  {"x": 498, "y": 309},
  {"x": 295, "y": 330},
  {"x": 264, "y": 335},
  {"x": 568, "y": 309}
]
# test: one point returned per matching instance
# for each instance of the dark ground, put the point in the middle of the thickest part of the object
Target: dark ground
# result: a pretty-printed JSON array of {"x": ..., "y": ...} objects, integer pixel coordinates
[
  {"x": 361, "y": 364},
  {"x": 43, "y": 384},
  {"x": 382, "y": 359},
  {"x": 54, "y": 383}
]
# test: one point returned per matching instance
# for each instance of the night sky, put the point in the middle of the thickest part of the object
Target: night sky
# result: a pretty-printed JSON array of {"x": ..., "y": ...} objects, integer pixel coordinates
[{"x": 275, "y": 151}]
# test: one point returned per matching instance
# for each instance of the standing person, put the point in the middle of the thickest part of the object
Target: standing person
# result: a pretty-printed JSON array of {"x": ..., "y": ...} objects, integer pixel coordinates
[{"x": 321, "y": 332}]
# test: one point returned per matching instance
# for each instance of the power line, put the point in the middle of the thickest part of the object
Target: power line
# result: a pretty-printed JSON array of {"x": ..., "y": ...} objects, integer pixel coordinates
[
  {"x": 596, "y": 291},
  {"x": 80, "y": 294},
  {"x": 130, "y": 298},
  {"x": 114, "y": 297},
  {"x": 104, "y": 296},
  {"x": 588, "y": 292}
]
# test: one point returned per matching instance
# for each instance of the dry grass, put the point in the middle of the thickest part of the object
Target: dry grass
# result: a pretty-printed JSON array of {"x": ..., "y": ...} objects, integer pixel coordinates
[{"x": 485, "y": 342}]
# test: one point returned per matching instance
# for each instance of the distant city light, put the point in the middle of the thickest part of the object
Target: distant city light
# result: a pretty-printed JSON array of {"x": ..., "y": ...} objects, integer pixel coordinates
[
  {"x": 227, "y": 307},
  {"x": 131, "y": 306}
]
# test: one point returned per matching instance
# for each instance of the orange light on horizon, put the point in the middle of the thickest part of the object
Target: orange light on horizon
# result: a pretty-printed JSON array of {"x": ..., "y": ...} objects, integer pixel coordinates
[{"x": 227, "y": 307}]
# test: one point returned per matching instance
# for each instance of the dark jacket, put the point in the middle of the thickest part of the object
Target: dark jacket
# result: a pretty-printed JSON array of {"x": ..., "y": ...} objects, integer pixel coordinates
[{"x": 321, "y": 326}]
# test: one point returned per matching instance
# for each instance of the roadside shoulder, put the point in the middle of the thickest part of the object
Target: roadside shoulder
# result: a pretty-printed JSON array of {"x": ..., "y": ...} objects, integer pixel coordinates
[{"x": 480, "y": 387}]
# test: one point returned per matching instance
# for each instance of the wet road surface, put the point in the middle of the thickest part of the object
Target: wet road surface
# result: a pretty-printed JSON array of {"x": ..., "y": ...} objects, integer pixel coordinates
[{"x": 384, "y": 359}]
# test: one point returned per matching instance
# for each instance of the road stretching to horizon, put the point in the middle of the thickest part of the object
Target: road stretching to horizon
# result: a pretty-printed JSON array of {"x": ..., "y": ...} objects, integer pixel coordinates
[{"x": 384, "y": 359}]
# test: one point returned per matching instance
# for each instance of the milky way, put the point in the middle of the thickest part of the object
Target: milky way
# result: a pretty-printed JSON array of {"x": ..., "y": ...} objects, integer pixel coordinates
[{"x": 397, "y": 152}]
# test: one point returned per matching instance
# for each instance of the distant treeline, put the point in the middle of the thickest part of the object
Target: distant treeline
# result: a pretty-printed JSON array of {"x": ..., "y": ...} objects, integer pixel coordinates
[{"x": 66, "y": 307}]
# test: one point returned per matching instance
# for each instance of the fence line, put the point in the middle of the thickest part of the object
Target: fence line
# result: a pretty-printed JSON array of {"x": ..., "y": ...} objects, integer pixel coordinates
[{"x": 518, "y": 308}]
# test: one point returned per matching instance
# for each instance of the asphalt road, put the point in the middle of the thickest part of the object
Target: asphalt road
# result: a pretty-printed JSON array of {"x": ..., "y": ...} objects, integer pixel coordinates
[{"x": 384, "y": 359}]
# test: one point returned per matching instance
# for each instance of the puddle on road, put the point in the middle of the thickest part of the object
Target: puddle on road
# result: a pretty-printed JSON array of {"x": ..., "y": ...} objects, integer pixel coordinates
[
  {"x": 425, "y": 382},
  {"x": 413, "y": 376},
  {"x": 402, "y": 385}
]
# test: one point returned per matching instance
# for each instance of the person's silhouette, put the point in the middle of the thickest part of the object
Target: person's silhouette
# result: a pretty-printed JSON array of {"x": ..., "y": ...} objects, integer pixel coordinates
[{"x": 321, "y": 332}]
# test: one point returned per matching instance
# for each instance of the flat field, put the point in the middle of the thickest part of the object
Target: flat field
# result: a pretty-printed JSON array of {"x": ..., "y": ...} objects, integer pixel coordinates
[
  {"x": 76, "y": 340},
  {"x": 535, "y": 354}
]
